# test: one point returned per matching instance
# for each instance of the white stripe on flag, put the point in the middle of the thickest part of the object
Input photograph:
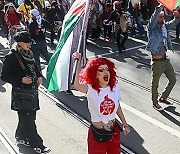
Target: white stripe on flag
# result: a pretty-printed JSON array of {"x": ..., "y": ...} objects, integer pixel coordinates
[{"x": 62, "y": 65}]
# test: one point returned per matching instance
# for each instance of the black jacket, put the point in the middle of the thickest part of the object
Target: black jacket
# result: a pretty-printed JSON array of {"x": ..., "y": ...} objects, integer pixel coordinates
[
  {"x": 115, "y": 16},
  {"x": 36, "y": 33},
  {"x": 13, "y": 73}
]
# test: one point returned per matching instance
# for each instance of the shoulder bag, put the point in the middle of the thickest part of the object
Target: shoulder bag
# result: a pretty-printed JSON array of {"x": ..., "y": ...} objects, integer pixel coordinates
[{"x": 24, "y": 99}]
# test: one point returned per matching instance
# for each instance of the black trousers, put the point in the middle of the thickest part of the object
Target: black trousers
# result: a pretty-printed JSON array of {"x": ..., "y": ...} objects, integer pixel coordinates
[
  {"x": 107, "y": 29},
  {"x": 26, "y": 129},
  {"x": 40, "y": 48},
  {"x": 118, "y": 38},
  {"x": 177, "y": 30}
]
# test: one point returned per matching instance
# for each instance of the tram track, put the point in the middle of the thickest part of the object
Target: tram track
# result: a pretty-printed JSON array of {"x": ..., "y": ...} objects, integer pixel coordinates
[{"x": 11, "y": 148}]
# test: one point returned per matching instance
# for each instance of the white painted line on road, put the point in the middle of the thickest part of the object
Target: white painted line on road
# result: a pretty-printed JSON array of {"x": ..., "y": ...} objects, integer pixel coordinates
[
  {"x": 175, "y": 43},
  {"x": 7, "y": 143},
  {"x": 135, "y": 47},
  {"x": 111, "y": 52},
  {"x": 151, "y": 120},
  {"x": 101, "y": 55},
  {"x": 138, "y": 40},
  {"x": 144, "y": 42},
  {"x": 4, "y": 42},
  {"x": 4, "y": 50}
]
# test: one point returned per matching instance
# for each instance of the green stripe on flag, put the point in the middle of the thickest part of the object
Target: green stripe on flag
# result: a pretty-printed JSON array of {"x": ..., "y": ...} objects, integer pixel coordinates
[
  {"x": 51, "y": 72},
  {"x": 178, "y": 3}
]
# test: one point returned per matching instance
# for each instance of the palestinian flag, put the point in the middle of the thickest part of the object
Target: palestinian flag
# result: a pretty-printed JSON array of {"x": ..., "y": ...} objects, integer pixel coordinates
[
  {"x": 60, "y": 65},
  {"x": 170, "y": 4}
]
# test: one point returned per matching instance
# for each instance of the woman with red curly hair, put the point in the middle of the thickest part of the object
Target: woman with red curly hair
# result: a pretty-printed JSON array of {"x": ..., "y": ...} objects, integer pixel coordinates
[{"x": 98, "y": 81}]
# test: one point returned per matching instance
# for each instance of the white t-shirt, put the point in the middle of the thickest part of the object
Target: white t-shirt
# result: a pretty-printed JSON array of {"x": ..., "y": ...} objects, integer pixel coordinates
[{"x": 103, "y": 105}]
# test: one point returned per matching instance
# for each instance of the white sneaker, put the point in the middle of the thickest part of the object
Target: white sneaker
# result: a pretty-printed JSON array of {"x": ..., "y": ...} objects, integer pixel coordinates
[{"x": 42, "y": 151}]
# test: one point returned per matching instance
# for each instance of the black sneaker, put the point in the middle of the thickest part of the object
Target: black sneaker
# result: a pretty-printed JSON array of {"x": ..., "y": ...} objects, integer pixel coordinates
[
  {"x": 22, "y": 142},
  {"x": 123, "y": 47},
  {"x": 44, "y": 150},
  {"x": 157, "y": 107},
  {"x": 162, "y": 100},
  {"x": 120, "y": 50}
]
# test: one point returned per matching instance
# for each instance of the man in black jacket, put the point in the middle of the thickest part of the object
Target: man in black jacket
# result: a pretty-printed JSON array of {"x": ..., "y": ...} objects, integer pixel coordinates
[{"x": 37, "y": 32}]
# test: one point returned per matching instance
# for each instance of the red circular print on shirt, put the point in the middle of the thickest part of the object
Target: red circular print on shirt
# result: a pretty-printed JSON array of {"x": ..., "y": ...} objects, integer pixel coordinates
[{"x": 107, "y": 106}]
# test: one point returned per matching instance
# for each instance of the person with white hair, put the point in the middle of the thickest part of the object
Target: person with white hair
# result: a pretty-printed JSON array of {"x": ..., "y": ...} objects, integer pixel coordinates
[
  {"x": 159, "y": 41},
  {"x": 37, "y": 32}
]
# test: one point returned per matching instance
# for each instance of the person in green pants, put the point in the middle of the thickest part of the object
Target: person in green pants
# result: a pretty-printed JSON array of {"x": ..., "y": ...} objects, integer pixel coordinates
[{"x": 159, "y": 41}]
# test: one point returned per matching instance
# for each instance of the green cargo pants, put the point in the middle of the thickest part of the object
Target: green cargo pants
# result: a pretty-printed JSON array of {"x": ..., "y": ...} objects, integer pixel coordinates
[{"x": 158, "y": 68}]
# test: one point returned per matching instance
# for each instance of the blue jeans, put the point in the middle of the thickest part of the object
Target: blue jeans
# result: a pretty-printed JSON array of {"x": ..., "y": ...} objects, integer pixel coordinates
[{"x": 139, "y": 26}]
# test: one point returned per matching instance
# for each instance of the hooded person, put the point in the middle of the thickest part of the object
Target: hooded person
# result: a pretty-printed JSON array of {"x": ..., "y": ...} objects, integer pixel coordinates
[
  {"x": 35, "y": 14},
  {"x": 13, "y": 20},
  {"x": 37, "y": 28}
]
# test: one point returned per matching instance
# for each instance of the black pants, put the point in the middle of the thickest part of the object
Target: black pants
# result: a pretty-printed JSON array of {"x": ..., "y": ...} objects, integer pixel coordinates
[
  {"x": 40, "y": 48},
  {"x": 107, "y": 29},
  {"x": 118, "y": 38},
  {"x": 26, "y": 129},
  {"x": 53, "y": 35},
  {"x": 96, "y": 32},
  {"x": 177, "y": 30}
]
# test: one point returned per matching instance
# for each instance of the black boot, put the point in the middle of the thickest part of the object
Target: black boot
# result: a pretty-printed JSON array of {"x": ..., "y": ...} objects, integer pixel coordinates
[
  {"x": 123, "y": 47},
  {"x": 120, "y": 49}
]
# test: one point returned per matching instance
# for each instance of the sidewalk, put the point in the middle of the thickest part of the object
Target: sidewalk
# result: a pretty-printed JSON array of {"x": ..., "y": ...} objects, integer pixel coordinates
[
  {"x": 3, "y": 149},
  {"x": 60, "y": 131}
]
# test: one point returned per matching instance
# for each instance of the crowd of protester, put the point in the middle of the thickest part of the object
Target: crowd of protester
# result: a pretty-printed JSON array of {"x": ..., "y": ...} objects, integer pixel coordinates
[
  {"x": 118, "y": 18},
  {"x": 26, "y": 22},
  {"x": 37, "y": 17}
]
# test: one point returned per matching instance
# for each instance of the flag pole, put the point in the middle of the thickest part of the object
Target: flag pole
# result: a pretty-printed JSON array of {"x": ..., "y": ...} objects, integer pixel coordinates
[
  {"x": 76, "y": 60},
  {"x": 79, "y": 45}
]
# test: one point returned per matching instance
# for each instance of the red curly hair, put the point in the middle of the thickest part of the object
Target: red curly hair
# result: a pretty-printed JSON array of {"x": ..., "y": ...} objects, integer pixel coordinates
[{"x": 88, "y": 74}]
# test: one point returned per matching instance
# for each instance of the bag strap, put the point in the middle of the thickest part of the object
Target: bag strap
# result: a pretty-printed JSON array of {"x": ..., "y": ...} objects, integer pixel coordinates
[{"x": 21, "y": 62}]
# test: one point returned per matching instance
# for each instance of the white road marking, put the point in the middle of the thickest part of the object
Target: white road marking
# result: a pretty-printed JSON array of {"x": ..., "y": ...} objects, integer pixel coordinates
[
  {"x": 7, "y": 143},
  {"x": 151, "y": 120},
  {"x": 4, "y": 50},
  {"x": 138, "y": 40},
  {"x": 4, "y": 42},
  {"x": 111, "y": 52}
]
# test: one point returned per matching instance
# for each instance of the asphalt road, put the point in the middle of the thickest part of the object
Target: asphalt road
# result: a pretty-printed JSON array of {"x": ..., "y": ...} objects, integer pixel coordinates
[{"x": 151, "y": 131}]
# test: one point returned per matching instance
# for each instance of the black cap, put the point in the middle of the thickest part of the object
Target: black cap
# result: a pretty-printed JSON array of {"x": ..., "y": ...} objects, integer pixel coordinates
[{"x": 22, "y": 36}]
